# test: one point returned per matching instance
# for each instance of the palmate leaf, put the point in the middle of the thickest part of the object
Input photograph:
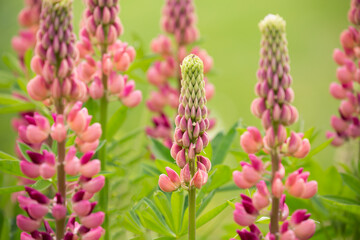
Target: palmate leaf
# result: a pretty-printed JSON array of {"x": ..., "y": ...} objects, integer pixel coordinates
[
  {"x": 177, "y": 209},
  {"x": 163, "y": 204},
  {"x": 132, "y": 223},
  {"x": 151, "y": 219}
]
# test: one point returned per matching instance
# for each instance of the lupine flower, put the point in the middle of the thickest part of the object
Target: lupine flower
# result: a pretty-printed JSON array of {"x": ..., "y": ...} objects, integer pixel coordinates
[
  {"x": 178, "y": 19},
  {"x": 191, "y": 124},
  {"x": 245, "y": 212},
  {"x": 101, "y": 18},
  {"x": 303, "y": 227},
  {"x": 253, "y": 234},
  {"x": 28, "y": 18},
  {"x": 251, "y": 173},
  {"x": 55, "y": 56},
  {"x": 298, "y": 186},
  {"x": 261, "y": 198},
  {"x": 40, "y": 165},
  {"x": 87, "y": 135},
  {"x": 347, "y": 125},
  {"x": 56, "y": 86},
  {"x": 273, "y": 107}
]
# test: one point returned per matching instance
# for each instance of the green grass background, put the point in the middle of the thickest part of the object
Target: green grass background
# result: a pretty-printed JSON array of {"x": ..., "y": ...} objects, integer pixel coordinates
[{"x": 230, "y": 32}]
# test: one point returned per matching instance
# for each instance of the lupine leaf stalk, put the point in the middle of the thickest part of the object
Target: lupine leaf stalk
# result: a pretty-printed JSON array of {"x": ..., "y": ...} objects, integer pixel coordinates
[
  {"x": 100, "y": 30},
  {"x": 273, "y": 107},
  {"x": 347, "y": 125},
  {"x": 56, "y": 86},
  {"x": 190, "y": 138},
  {"x": 179, "y": 21}
]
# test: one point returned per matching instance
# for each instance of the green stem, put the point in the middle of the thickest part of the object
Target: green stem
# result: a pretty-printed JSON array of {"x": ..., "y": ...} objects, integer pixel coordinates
[
  {"x": 192, "y": 206},
  {"x": 61, "y": 176},
  {"x": 274, "y": 214},
  {"x": 104, "y": 194}
]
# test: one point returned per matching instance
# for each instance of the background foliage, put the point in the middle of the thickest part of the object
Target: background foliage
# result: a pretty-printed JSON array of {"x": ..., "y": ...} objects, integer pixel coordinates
[{"x": 230, "y": 35}]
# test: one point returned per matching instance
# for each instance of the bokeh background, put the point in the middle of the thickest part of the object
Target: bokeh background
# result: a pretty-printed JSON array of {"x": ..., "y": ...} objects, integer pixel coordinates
[{"x": 229, "y": 32}]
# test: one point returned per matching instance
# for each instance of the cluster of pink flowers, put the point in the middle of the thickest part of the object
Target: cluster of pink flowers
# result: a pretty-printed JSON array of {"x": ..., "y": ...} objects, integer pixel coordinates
[
  {"x": 28, "y": 18},
  {"x": 179, "y": 20},
  {"x": 100, "y": 18},
  {"x": 37, "y": 205},
  {"x": 59, "y": 89},
  {"x": 347, "y": 125},
  {"x": 273, "y": 107},
  {"x": 190, "y": 137}
]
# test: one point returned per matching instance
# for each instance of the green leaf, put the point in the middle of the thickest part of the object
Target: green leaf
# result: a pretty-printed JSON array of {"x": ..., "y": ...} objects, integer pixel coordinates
[
  {"x": 22, "y": 82},
  {"x": 41, "y": 185},
  {"x": 223, "y": 146},
  {"x": 23, "y": 148},
  {"x": 165, "y": 238},
  {"x": 27, "y": 59},
  {"x": 4, "y": 155},
  {"x": 210, "y": 215},
  {"x": 6, "y": 79},
  {"x": 163, "y": 205},
  {"x": 205, "y": 201},
  {"x": 221, "y": 175},
  {"x": 160, "y": 151},
  {"x": 101, "y": 144},
  {"x": 208, "y": 151},
  {"x": 318, "y": 149},
  {"x": 116, "y": 121},
  {"x": 6, "y": 190},
  {"x": 161, "y": 165},
  {"x": 11, "y": 167},
  {"x": 12, "y": 63},
  {"x": 265, "y": 220},
  {"x": 7, "y": 99},
  {"x": 309, "y": 133},
  {"x": 131, "y": 223},
  {"x": 150, "y": 221},
  {"x": 158, "y": 216},
  {"x": 19, "y": 107},
  {"x": 342, "y": 204},
  {"x": 228, "y": 187},
  {"x": 352, "y": 182},
  {"x": 177, "y": 208}
]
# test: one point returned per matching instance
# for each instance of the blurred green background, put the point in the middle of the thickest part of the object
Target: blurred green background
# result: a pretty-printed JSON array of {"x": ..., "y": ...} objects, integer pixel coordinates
[{"x": 229, "y": 30}]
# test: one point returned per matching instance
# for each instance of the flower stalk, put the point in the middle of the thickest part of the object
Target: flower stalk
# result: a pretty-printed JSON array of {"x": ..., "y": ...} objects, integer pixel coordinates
[
  {"x": 101, "y": 28},
  {"x": 273, "y": 107},
  {"x": 190, "y": 138},
  {"x": 178, "y": 20}
]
